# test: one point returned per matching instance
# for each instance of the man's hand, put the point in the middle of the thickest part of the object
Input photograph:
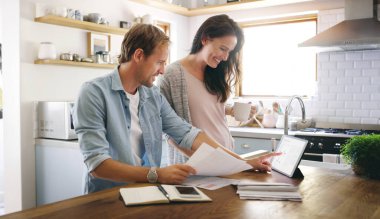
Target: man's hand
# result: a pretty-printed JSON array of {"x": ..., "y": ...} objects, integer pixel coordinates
[
  {"x": 261, "y": 163},
  {"x": 174, "y": 174}
]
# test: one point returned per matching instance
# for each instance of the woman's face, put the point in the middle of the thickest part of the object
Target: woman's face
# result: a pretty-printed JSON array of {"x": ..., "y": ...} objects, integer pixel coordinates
[{"x": 218, "y": 49}]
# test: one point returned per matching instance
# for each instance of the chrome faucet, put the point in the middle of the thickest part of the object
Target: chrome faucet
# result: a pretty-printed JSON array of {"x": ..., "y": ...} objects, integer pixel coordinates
[{"x": 287, "y": 112}]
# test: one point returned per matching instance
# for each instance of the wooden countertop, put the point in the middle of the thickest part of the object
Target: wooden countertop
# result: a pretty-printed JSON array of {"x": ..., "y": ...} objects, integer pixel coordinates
[{"x": 326, "y": 194}]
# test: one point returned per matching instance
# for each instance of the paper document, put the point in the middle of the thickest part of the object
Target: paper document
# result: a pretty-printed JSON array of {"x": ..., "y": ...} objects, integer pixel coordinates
[
  {"x": 268, "y": 191},
  {"x": 209, "y": 182},
  {"x": 208, "y": 161}
]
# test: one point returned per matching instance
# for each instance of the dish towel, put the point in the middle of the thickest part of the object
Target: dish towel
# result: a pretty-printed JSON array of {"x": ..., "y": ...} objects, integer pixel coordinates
[{"x": 331, "y": 158}]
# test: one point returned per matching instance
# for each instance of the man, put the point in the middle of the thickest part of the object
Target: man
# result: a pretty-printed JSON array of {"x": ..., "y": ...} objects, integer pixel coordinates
[{"x": 119, "y": 119}]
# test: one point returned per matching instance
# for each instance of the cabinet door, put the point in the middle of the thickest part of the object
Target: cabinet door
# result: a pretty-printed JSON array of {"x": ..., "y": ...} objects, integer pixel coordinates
[
  {"x": 59, "y": 173},
  {"x": 246, "y": 145}
]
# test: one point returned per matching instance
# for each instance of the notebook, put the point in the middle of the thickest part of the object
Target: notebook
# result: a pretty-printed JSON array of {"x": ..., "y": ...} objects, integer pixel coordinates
[{"x": 153, "y": 195}]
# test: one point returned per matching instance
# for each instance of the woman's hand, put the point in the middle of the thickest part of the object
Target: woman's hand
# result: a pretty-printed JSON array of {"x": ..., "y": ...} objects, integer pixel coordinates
[{"x": 261, "y": 163}]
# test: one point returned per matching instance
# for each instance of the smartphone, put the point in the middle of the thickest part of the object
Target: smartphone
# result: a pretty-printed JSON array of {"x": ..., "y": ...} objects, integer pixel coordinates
[{"x": 187, "y": 192}]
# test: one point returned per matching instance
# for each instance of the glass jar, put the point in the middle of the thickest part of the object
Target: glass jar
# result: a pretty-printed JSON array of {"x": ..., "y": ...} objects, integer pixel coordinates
[{"x": 47, "y": 51}]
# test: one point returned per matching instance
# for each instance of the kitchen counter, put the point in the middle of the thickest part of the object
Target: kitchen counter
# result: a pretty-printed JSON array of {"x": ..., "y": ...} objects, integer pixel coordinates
[
  {"x": 266, "y": 133},
  {"x": 326, "y": 194}
]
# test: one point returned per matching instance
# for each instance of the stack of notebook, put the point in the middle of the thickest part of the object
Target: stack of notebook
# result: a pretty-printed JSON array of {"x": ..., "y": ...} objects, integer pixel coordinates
[{"x": 268, "y": 191}]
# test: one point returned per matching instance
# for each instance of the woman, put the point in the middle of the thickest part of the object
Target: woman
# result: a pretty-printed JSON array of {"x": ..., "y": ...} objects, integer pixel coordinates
[{"x": 198, "y": 85}]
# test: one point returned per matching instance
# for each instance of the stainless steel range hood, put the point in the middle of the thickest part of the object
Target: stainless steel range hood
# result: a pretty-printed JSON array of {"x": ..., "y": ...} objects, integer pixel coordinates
[{"x": 359, "y": 31}]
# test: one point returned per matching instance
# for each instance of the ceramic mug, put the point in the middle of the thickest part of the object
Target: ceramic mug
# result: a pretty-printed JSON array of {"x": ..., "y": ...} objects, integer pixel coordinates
[
  {"x": 269, "y": 120},
  {"x": 242, "y": 111}
]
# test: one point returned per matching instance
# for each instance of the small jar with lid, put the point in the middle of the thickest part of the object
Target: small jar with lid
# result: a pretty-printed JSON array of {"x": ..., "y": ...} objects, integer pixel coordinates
[{"x": 47, "y": 51}]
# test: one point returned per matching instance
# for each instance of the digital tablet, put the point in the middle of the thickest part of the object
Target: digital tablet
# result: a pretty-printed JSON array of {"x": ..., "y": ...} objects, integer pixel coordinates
[{"x": 292, "y": 149}]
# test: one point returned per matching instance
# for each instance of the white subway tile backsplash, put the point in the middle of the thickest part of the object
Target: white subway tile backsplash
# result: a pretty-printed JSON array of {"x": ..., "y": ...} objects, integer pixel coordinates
[
  {"x": 344, "y": 112},
  {"x": 336, "y": 119},
  {"x": 327, "y": 112},
  {"x": 353, "y": 72},
  {"x": 371, "y": 72},
  {"x": 371, "y": 88},
  {"x": 375, "y": 113},
  {"x": 345, "y": 65},
  {"x": 348, "y": 81},
  {"x": 335, "y": 104},
  {"x": 353, "y": 89},
  {"x": 328, "y": 97},
  {"x": 323, "y": 57},
  {"x": 361, "y": 80},
  {"x": 336, "y": 73},
  {"x": 345, "y": 80},
  {"x": 337, "y": 56},
  {"x": 375, "y": 80},
  {"x": 362, "y": 97},
  {"x": 329, "y": 65},
  {"x": 362, "y": 64},
  {"x": 361, "y": 113},
  {"x": 323, "y": 88},
  {"x": 354, "y": 56},
  {"x": 352, "y": 105},
  {"x": 337, "y": 89},
  {"x": 369, "y": 121},
  {"x": 328, "y": 80},
  {"x": 370, "y": 105},
  {"x": 375, "y": 97},
  {"x": 345, "y": 96},
  {"x": 371, "y": 55},
  {"x": 376, "y": 64},
  {"x": 352, "y": 120}
]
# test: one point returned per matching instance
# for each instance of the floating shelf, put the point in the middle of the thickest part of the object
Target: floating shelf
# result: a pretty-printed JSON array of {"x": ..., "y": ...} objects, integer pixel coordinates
[
  {"x": 72, "y": 63},
  {"x": 215, "y": 9},
  {"x": 85, "y": 25}
]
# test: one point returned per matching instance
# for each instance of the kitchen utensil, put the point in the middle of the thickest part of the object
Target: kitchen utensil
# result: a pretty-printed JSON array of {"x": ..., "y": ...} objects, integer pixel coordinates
[{"x": 47, "y": 51}]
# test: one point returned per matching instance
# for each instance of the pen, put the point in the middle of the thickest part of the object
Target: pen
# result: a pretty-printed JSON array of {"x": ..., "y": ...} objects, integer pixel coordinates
[{"x": 163, "y": 191}]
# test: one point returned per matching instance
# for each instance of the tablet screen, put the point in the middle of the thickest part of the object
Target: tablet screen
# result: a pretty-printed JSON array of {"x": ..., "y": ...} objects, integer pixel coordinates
[{"x": 292, "y": 149}]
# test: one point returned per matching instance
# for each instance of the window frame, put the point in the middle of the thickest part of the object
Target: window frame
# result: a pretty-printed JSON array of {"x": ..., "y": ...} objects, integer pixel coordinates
[{"x": 273, "y": 21}]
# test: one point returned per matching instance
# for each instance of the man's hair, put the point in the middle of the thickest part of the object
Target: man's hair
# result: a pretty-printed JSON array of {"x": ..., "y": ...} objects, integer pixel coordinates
[{"x": 143, "y": 36}]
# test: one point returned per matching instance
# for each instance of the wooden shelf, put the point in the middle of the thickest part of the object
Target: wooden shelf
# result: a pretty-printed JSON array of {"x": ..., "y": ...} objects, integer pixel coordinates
[
  {"x": 51, "y": 19},
  {"x": 215, "y": 9},
  {"x": 72, "y": 63}
]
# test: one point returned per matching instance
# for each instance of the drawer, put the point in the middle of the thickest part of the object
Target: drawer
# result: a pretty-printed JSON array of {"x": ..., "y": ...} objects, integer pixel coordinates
[{"x": 245, "y": 145}]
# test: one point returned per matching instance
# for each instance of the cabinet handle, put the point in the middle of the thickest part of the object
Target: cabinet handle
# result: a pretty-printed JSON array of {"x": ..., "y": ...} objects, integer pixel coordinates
[{"x": 245, "y": 146}]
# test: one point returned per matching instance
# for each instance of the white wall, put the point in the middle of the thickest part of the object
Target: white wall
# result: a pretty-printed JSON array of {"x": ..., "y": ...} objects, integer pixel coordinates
[
  {"x": 47, "y": 82},
  {"x": 12, "y": 125},
  {"x": 1, "y": 124}
]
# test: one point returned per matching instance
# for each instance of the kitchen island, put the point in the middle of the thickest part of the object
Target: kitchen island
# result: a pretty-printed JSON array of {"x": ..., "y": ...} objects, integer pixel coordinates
[{"x": 326, "y": 194}]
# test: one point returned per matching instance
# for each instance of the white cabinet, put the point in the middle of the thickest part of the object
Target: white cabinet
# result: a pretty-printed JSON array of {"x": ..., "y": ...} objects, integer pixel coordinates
[
  {"x": 246, "y": 145},
  {"x": 59, "y": 170}
]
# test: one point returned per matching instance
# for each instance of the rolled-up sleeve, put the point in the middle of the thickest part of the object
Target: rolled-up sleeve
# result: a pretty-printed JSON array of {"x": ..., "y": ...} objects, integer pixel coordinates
[{"x": 89, "y": 116}]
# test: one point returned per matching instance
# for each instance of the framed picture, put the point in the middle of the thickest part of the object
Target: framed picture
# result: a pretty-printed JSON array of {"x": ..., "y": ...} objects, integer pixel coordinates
[{"x": 98, "y": 42}]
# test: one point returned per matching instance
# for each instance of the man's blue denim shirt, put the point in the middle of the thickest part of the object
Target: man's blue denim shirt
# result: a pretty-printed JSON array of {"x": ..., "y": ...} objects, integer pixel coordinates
[{"x": 102, "y": 121}]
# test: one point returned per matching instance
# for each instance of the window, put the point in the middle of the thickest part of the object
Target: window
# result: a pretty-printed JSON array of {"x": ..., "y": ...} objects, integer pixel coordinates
[
  {"x": 165, "y": 27},
  {"x": 272, "y": 63}
]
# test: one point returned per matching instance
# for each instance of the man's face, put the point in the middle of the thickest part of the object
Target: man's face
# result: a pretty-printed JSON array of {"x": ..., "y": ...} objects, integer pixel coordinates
[{"x": 153, "y": 65}]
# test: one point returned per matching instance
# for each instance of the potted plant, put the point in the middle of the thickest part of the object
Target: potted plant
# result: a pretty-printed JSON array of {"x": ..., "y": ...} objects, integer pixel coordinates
[{"x": 363, "y": 153}]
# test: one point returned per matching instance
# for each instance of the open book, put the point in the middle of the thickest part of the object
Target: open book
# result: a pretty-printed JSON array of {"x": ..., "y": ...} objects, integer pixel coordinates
[{"x": 153, "y": 195}]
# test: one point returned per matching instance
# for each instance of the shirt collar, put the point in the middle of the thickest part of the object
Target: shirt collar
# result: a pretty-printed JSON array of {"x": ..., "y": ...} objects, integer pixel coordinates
[{"x": 118, "y": 86}]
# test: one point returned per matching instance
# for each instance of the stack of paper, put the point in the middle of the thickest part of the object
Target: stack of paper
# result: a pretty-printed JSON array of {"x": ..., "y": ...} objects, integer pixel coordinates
[
  {"x": 268, "y": 191},
  {"x": 209, "y": 161}
]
